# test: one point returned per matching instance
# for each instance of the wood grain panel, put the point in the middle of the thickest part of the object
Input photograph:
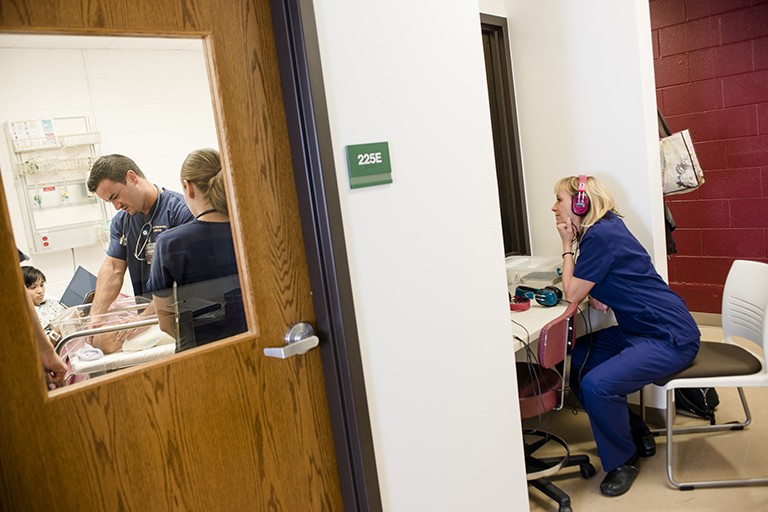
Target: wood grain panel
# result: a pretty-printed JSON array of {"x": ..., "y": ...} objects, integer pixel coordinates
[{"x": 218, "y": 428}]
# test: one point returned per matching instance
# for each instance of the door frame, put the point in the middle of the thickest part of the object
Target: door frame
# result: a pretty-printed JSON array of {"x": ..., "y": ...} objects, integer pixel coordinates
[
  {"x": 506, "y": 137},
  {"x": 321, "y": 219}
]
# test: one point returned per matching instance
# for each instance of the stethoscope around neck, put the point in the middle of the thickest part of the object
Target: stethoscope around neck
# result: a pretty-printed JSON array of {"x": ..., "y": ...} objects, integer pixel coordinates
[{"x": 145, "y": 231}]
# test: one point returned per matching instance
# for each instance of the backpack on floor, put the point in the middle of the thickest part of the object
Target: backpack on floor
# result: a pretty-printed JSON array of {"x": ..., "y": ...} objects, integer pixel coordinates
[{"x": 699, "y": 401}]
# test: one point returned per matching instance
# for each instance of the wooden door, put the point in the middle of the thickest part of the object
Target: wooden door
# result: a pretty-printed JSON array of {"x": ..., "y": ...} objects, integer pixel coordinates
[{"x": 218, "y": 428}]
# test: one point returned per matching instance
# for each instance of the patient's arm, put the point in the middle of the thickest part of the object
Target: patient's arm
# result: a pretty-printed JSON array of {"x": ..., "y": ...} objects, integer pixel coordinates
[{"x": 54, "y": 366}]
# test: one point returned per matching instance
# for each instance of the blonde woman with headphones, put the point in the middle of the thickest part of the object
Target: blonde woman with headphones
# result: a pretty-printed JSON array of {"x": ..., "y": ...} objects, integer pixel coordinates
[{"x": 655, "y": 336}]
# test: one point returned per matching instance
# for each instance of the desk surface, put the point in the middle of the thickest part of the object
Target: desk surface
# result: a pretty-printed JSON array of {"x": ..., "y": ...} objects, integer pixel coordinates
[
  {"x": 534, "y": 320},
  {"x": 527, "y": 325},
  {"x": 538, "y": 316}
]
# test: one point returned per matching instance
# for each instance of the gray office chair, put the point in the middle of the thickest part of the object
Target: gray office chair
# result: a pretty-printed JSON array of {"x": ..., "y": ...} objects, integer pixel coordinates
[
  {"x": 208, "y": 311},
  {"x": 725, "y": 364}
]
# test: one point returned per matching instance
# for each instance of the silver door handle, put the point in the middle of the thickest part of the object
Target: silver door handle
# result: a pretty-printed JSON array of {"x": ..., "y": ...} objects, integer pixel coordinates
[{"x": 300, "y": 339}]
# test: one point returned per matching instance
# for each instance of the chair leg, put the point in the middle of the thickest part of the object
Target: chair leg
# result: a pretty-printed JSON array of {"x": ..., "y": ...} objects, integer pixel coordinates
[
  {"x": 553, "y": 492},
  {"x": 539, "y": 468},
  {"x": 687, "y": 486},
  {"x": 733, "y": 425}
]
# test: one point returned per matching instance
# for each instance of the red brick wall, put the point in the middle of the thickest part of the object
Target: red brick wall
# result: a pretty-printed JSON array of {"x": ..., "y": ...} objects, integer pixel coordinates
[{"x": 711, "y": 65}]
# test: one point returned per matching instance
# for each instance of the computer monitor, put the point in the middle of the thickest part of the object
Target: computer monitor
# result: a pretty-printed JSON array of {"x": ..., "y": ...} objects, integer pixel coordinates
[{"x": 82, "y": 283}]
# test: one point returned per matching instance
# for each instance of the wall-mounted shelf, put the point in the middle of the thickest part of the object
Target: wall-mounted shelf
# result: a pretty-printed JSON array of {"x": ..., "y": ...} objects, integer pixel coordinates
[
  {"x": 52, "y": 160},
  {"x": 32, "y": 166},
  {"x": 25, "y": 145}
]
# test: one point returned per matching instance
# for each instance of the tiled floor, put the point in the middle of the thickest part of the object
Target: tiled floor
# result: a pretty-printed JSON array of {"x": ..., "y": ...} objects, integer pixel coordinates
[{"x": 698, "y": 456}]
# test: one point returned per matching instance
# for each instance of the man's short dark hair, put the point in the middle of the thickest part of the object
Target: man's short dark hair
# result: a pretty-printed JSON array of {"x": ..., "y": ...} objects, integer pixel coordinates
[{"x": 113, "y": 168}]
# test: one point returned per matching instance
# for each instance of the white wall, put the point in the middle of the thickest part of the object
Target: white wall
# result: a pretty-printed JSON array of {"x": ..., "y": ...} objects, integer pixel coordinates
[
  {"x": 426, "y": 252},
  {"x": 583, "y": 75},
  {"x": 149, "y": 98}
]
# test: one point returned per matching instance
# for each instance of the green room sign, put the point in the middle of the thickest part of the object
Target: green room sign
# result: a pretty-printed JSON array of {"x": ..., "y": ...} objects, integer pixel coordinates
[{"x": 369, "y": 164}]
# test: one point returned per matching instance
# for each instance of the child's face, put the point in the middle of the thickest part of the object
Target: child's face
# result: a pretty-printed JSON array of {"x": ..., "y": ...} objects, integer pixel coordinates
[{"x": 36, "y": 291}]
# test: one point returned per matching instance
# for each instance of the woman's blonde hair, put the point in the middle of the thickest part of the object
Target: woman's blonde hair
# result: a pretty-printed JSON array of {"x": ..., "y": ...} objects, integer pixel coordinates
[
  {"x": 600, "y": 199},
  {"x": 203, "y": 168}
]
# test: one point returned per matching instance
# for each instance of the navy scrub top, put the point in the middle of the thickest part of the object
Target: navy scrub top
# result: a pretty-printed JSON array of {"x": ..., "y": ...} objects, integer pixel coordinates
[
  {"x": 196, "y": 252},
  {"x": 200, "y": 252},
  {"x": 626, "y": 281},
  {"x": 171, "y": 211}
]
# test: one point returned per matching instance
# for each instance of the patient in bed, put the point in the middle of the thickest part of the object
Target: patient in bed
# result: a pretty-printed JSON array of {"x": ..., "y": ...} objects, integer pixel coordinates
[
  {"x": 138, "y": 339},
  {"x": 47, "y": 309},
  {"x": 109, "y": 342},
  {"x": 54, "y": 368}
]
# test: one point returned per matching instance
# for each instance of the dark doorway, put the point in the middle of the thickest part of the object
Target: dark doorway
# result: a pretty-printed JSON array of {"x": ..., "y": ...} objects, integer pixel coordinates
[{"x": 506, "y": 143}]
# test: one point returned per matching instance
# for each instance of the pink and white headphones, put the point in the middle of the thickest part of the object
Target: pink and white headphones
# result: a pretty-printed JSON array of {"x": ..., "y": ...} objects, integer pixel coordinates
[{"x": 580, "y": 204}]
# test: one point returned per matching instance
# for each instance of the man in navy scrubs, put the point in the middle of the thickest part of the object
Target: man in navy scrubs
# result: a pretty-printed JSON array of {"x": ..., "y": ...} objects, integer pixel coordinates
[{"x": 145, "y": 212}]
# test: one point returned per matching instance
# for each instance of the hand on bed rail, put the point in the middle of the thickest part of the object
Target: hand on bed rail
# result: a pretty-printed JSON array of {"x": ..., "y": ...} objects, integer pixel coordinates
[{"x": 95, "y": 332}]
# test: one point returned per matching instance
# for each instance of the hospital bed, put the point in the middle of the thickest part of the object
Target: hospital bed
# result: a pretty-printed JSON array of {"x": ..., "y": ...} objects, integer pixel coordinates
[
  {"x": 85, "y": 362},
  {"x": 203, "y": 312}
]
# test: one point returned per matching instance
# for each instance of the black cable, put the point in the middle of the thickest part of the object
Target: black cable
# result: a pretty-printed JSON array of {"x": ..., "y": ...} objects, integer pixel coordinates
[
  {"x": 532, "y": 365},
  {"x": 589, "y": 336},
  {"x": 537, "y": 377}
]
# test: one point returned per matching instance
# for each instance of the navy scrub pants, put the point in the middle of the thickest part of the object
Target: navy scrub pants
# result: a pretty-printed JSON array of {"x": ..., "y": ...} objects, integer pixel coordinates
[{"x": 610, "y": 366}]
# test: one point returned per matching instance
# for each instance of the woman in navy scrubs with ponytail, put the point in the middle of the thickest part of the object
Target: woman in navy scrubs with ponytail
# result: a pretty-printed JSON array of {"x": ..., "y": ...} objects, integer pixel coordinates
[
  {"x": 201, "y": 251},
  {"x": 655, "y": 336}
]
